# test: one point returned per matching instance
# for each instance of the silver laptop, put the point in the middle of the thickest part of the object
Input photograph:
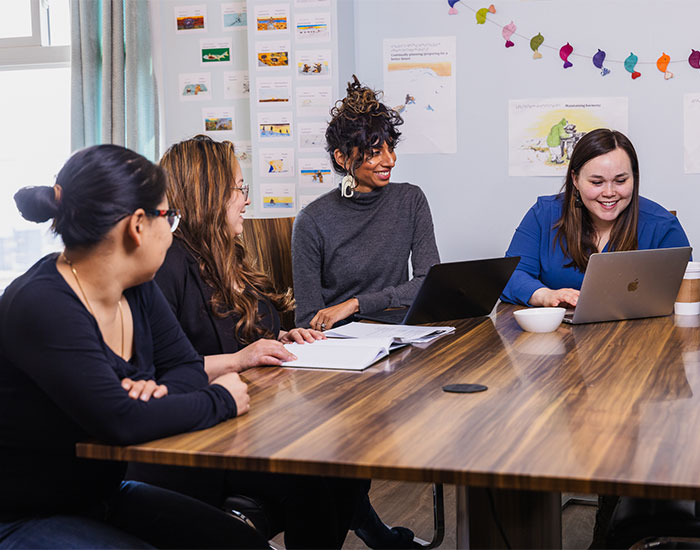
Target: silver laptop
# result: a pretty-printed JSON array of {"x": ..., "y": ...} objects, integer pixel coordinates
[{"x": 630, "y": 285}]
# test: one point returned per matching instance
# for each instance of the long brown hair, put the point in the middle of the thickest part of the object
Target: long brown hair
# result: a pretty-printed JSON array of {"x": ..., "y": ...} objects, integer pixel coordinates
[
  {"x": 200, "y": 182},
  {"x": 575, "y": 231}
]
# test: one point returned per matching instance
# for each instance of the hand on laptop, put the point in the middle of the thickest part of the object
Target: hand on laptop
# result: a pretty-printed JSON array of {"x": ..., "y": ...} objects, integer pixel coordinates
[{"x": 546, "y": 297}]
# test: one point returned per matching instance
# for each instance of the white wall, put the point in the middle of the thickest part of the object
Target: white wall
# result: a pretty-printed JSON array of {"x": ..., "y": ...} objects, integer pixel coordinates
[{"x": 476, "y": 205}]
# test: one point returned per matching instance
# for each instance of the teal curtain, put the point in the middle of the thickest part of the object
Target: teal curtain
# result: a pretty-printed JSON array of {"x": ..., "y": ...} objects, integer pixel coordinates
[{"x": 113, "y": 89}]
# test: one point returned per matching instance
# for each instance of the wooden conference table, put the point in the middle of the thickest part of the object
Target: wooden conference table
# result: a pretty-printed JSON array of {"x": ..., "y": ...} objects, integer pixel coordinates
[{"x": 608, "y": 408}]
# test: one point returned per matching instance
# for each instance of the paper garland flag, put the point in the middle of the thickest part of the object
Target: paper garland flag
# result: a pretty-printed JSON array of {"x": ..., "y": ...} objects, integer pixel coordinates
[
  {"x": 535, "y": 43},
  {"x": 481, "y": 14},
  {"x": 694, "y": 59},
  {"x": 598, "y": 60},
  {"x": 452, "y": 10},
  {"x": 630, "y": 64},
  {"x": 564, "y": 53},
  {"x": 662, "y": 64},
  {"x": 507, "y": 32}
]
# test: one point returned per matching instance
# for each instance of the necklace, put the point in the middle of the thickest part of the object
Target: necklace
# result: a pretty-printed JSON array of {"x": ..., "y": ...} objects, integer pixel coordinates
[{"x": 87, "y": 302}]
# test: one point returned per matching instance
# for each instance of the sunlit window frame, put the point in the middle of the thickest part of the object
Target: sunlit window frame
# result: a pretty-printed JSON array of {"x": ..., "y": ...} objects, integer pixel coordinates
[{"x": 33, "y": 51}]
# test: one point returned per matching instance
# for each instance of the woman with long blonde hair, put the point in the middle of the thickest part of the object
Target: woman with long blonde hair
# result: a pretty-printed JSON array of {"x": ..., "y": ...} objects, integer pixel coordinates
[{"x": 229, "y": 311}]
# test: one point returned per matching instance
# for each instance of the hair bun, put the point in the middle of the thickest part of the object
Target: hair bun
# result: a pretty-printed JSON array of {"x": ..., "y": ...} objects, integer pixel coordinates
[{"x": 37, "y": 204}]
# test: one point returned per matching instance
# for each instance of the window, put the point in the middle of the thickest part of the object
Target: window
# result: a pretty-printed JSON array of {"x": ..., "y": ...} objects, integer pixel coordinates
[{"x": 35, "y": 114}]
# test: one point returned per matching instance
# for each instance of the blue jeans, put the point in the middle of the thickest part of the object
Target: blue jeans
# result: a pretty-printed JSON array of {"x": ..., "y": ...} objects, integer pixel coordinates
[{"x": 138, "y": 515}]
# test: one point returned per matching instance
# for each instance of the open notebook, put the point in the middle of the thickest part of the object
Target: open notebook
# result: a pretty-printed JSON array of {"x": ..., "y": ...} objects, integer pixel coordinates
[{"x": 357, "y": 345}]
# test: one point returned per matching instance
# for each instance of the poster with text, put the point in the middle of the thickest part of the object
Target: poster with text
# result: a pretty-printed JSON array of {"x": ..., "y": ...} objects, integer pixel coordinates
[
  {"x": 190, "y": 19},
  {"x": 313, "y": 27},
  {"x": 312, "y": 135},
  {"x": 195, "y": 86},
  {"x": 234, "y": 16},
  {"x": 276, "y": 162},
  {"x": 215, "y": 51},
  {"x": 542, "y": 133},
  {"x": 274, "y": 126},
  {"x": 313, "y": 64},
  {"x": 272, "y": 55},
  {"x": 305, "y": 200},
  {"x": 271, "y": 19},
  {"x": 315, "y": 171},
  {"x": 312, "y": 3},
  {"x": 274, "y": 90},
  {"x": 314, "y": 101},
  {"x": 691, "y": 133},
  {"x": 236, "y": 85},
  {"x": 277, "y": 196},
  {"x": 420, "y": 83},
  {"x": 219, "y": 119}
]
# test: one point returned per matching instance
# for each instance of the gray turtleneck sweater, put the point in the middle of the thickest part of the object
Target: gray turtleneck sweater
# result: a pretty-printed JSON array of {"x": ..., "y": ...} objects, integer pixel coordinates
[{"x": 360, "y": 247}]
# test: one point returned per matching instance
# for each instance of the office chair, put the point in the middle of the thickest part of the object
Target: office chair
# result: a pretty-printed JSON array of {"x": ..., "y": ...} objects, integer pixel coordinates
[{"x": 268, "y": 244}]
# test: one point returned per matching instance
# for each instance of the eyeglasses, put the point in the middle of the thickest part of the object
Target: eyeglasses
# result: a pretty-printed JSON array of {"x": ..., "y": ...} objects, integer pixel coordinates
[
  {"x": 245, "y": 189},
  {"x": 172, "y": 216}
]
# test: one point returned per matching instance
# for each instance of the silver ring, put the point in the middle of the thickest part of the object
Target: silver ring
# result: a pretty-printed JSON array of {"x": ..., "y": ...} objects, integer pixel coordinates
[{"x": 323, "y": 326}]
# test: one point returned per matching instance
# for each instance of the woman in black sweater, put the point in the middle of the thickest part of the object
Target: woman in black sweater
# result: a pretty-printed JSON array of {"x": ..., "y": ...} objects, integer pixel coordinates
[
  {"x": 90, "y": 349},
  {"x": 230, "y": 313}
]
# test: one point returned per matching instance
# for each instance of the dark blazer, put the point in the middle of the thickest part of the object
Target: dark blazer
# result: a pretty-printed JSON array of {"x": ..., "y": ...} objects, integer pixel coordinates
[{"x": 189, "y": 297}]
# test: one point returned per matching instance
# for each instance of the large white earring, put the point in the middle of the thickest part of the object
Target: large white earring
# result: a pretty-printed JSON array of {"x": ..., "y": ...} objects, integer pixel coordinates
[{"x": 347, "y": 186}]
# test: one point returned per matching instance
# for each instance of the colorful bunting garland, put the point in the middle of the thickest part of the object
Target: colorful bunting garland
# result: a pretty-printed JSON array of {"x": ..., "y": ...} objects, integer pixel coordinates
[{"x": 630, "y": 63}]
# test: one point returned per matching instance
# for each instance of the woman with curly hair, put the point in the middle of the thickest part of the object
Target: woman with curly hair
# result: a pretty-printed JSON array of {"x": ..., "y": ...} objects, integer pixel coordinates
[
  {"x": 229, "y": 311},
  {"x": 351, "y": 246}
]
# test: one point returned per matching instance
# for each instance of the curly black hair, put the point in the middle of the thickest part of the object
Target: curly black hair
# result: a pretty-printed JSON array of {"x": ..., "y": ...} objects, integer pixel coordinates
[{"x": 359, "y": 123}]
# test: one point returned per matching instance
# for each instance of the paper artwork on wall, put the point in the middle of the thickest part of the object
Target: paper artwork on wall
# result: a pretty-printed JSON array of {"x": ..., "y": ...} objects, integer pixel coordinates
[
  {"x": 314, "y": 101},
  {"x": 305, "y": 200},
  {"x": 274, "y": 126},
  {"x": 274, "y": 90},
  {"x": 272, "y": 55},
  {"x": 311, "y": 3},
  {"x": 276, "y": 196},
  {"x": 313, "y": 64},
  {"x": 272, "y": 19},
  {"x": 315, "y": 171},
  {"x": 543, "y": 132},
  {"x": 420, "y": 83},
  {"x": 219, "y": 119},
  {"x": 244, "y": 152},
  {"x": 691, "y": 135},
  {"x": 312, "y": 135},
  {"x": 313, "y": 27},
  {"x": 215, "y": 51},
  {"x": 190, "y": 19},
  {"x": 194, "y": 86},
  {"x": 276, "y": 162},
  {"x": 234, "y": 16},
  {"x": 236, "y": 85}
]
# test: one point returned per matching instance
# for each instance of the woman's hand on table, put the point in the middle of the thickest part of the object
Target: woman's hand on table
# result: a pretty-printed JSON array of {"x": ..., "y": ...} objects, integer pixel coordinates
[
  {"x": 546, "y": 297},
  {"x": 238, "y": 390},
  {"x": 263, "y": 352},
  {"x": 144, "y": 389},
  {"x": 301, "y": 335},
  {"x": 329, "y": 316}
]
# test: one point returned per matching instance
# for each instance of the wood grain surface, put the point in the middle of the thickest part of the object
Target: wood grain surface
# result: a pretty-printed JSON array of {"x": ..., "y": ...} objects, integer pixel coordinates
[{"x": 604, "y": 408}]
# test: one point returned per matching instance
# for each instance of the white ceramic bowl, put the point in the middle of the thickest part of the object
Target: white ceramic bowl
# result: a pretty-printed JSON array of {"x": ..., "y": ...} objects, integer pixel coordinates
[{"x": 539, "y": 319}]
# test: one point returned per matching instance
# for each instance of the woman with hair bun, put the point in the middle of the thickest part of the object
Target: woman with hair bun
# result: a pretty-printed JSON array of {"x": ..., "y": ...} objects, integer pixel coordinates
[
  {"x": 90, "y": 349},
  {"x": 351, "y": 246}
]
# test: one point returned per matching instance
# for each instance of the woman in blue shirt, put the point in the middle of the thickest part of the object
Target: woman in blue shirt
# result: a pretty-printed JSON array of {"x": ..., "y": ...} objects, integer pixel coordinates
[{"x": 599, "y": 210}]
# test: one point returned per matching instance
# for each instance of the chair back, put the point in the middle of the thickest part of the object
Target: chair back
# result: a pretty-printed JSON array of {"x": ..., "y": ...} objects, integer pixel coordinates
[{"x": 268, "y": 245}]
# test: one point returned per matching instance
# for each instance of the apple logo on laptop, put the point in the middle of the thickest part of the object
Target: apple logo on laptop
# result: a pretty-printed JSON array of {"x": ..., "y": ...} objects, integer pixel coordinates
[{"x": 633, "y": 285}]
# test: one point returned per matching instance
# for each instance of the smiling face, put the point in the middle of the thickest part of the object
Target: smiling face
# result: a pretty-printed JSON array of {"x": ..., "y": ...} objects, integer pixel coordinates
[
  {"x": 606, "y": 185},
  {"x": 375, "y": 170},
  {"x": 237, "y": 202}
]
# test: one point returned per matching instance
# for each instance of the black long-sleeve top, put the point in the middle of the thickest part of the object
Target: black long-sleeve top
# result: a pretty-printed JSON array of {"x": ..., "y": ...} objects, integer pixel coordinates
[
  {"x": 189, "y": 297},
  {"x": 60, "y": 384}
]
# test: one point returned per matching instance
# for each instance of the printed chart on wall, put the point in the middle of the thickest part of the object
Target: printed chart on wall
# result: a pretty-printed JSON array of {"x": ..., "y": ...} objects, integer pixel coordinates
[
  {"x": 543, "y": 132},
  {"x": 691, "y": 142},
  {"x": 420, "y": 83}
]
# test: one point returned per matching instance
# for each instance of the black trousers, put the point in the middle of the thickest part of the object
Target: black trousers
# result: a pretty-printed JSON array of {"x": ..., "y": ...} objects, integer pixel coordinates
[{"x": 313, "y": 511}]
